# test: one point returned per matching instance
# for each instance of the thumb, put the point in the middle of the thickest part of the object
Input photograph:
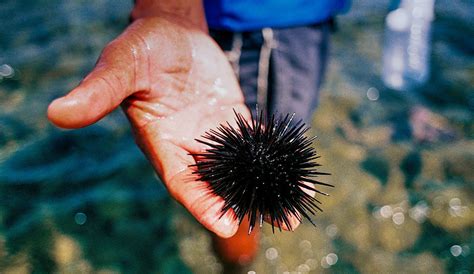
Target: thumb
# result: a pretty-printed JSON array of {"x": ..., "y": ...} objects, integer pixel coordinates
[{"x": 110, "y": 82}]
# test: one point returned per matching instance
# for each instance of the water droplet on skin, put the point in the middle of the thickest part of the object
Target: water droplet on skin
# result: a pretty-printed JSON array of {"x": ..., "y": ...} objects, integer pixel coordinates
[
  {"x": 182, "y": 169},
  {"x": 166, "y": 136},
  {"x": 218, "y": 82},
  {"x": 149, "y": 117},
  {"x": 212, "y": 101},
  {"x": 218, "y": 88}
]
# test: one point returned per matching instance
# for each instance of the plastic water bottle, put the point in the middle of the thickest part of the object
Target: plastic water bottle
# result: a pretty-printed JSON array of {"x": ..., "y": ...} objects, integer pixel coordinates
[{"x": 407, "y": 45}]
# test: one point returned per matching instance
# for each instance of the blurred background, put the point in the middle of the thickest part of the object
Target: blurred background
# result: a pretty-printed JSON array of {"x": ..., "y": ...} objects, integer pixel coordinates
[{"x": 401, "y": 154}]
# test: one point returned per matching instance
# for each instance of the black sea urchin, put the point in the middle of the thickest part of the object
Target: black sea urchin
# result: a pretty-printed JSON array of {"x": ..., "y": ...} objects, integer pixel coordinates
[{"x": 261, "y": 169}]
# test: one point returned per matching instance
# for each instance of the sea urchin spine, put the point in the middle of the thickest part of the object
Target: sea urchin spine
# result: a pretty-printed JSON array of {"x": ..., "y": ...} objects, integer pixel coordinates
[{"x": 261, "y": 169}]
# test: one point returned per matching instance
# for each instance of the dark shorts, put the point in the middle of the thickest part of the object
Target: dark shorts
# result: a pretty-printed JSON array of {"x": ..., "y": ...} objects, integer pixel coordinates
[{"x": 281, "y": 70}]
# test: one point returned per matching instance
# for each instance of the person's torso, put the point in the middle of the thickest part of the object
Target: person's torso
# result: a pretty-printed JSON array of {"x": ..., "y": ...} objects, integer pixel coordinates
[{"x": 245, "y": 15}]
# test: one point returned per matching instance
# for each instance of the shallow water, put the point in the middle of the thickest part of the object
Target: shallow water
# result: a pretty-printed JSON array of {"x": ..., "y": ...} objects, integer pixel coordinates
[{"x": 87, "y": 200}]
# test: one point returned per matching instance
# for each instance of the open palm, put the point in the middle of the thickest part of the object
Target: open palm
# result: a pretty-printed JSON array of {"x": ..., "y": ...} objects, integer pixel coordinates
[{"x": 174, "y": 83}]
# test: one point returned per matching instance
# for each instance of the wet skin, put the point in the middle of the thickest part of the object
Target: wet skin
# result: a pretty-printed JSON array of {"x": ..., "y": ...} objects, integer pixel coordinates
[{"x": 174, "y": 83}]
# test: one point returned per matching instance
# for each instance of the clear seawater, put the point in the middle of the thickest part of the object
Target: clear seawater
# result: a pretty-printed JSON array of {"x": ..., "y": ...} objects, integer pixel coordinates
[{"x": 87, "y": 201}]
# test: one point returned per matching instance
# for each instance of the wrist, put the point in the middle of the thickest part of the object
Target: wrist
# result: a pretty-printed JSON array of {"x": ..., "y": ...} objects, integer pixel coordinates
[{"x": 187, "y": 10}]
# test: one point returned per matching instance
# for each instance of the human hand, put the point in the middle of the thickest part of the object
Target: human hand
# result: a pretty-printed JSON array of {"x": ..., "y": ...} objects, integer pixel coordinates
[{"x": 174, "y": 83}]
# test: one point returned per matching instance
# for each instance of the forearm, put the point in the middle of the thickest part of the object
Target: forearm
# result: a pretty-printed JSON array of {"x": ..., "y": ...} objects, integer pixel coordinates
[{"x": 190, "y": 10}]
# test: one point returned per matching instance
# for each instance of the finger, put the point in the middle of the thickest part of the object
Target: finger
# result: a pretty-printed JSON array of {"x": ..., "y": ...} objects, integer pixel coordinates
[
  {"x": 294, "y": 220},
  {"x": 203, "y": 205},
  {"x": 110, "y": 82},
  {"x": 172, "y": 163}
]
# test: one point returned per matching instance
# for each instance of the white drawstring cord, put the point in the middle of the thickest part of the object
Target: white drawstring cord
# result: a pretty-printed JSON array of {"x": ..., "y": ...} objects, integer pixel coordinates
[
  {"x": 264, "y": 67},
  {"x": 234, "y": 54}
]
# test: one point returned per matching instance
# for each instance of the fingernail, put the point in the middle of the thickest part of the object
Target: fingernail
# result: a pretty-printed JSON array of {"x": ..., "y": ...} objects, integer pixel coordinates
[{"x": 226, "y": 226}]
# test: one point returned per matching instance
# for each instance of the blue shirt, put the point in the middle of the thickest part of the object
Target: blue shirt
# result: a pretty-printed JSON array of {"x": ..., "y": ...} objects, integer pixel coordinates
[{"x": 244, "y": 15}]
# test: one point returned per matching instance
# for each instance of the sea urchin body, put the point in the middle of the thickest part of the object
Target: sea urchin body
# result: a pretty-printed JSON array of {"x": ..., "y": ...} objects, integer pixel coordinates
[{"x": 263, "y": 169}]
